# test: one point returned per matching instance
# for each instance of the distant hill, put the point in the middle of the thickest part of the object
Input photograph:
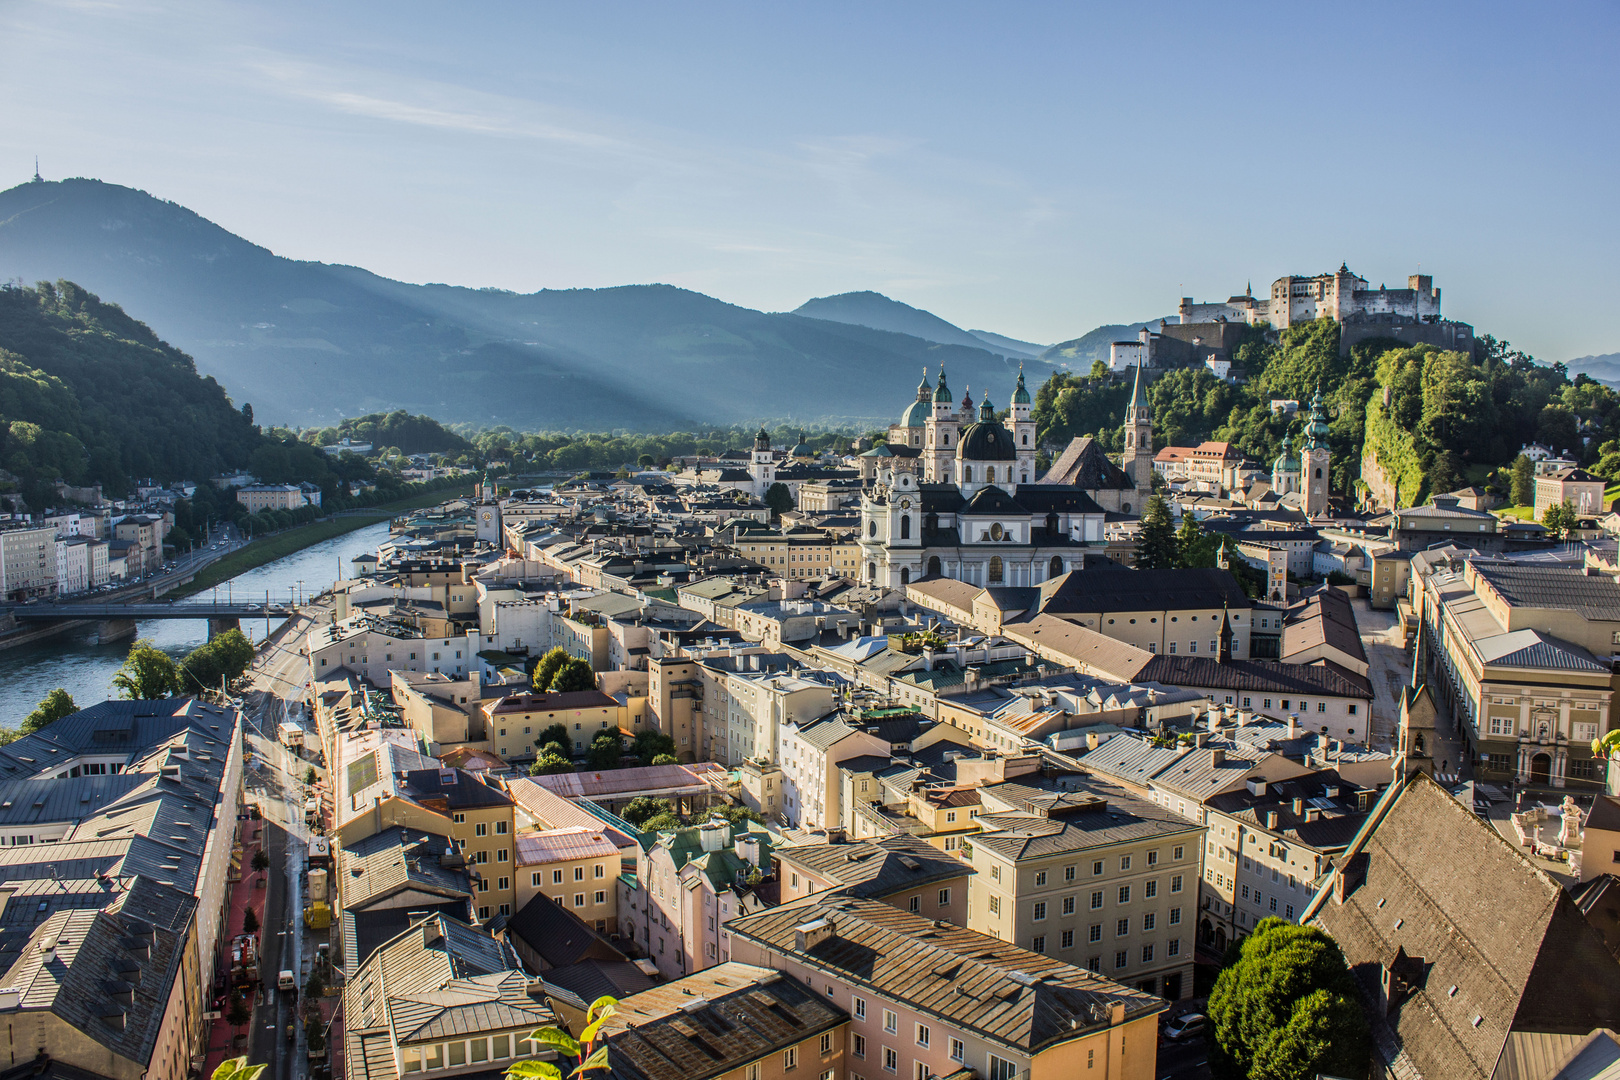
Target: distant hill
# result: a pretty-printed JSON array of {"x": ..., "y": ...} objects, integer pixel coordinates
[
  {"x": 874, "y": 310},
  {"x": 1080, "y": 352},
  {"x": 309, "y": 343},
  {"x": 1605, "y": 367}
]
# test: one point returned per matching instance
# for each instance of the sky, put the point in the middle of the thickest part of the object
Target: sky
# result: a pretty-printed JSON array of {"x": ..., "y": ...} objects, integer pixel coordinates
[{"x": 1033, "y": 169}]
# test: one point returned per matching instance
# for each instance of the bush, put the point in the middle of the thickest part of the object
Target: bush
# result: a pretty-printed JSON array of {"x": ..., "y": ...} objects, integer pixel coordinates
[
  {"x": 250, "y": 921},
  {"x": 550, "y": 763}
]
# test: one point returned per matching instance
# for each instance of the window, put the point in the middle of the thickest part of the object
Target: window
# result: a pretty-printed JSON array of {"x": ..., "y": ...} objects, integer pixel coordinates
[
  {"x": 1095, "y": 933},
  {"x": 1124, "y": 863},
  {"x": 1068, "y": 905},
  {"x": 500, "y": 828},
  {"x": 826, "y": 1043},
  {"x": 1153, "y": 858},
  {"x": 599, "y": 872},
  {"x": 1150, "y": 889},
  {"x": 1179, "y": 850},
  {"x": 995, "y": 905},
  {"x": 481, "y": 829},
  {"x": 860, "y": 1046},
  {"x": 790, "y": 1058},
  {"x": 859, "y": 1007},
  {"x": 1124, "y": 894},
  {"x": 1175, "y": 916},
  {"x": 556, "y": 877},
  {"x": 1094, "y": 963},
  {"x": 1121, "y": 958},
  {"x": 1001, "y": 1070},
  {"x": 1038, "y": 943},
  {"x": 458, "y": 1054},
  {"x": 1068, "y": 873},
  {"x": 1096, "y": 867},
  {"x": 1149, "y": 920},
  {"x": 1040, "y": 910},
  {"x": 534, "y": 879},
  {"x": 579, "y": 899},
  {"x": 1122, "y": 927},
  {"x": 891, "y": 1022},
  {"x": 944, "y": 897},
  {"x": 1174, "y": 948},
  {"x": 922, "y": 1035},
  {"x": 1273, "y": 903},
  {"x": 459, "y": 819},
  {"x": 1175, "y": 882},
  {"x": 958, "y": 1051},
  {"x": 503, "y": 884},
  {"x": 1040, "y": 877},
  {"x": 500, "y": 855},
  {"x": 579, "y": 873},
  {"x": 601, "y": 897},
  {"x": 1067, "y": 939},
  {"x": 435, "y": 1057},
  {"x": 891, "y": 1060},
  {"x": 1147, "y": 954},
  {"x": 995, "y": 871},
  {"x": 1096, "y": 900}
]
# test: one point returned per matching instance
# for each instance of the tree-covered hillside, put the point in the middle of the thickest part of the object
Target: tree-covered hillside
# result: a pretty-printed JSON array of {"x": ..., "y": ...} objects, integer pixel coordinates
[
  {"x": 398, "y": 430},
  {"x": 1436, "y": 419}
]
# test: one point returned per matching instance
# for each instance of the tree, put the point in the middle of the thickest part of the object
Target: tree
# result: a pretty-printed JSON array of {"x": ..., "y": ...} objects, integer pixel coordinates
[
  {"x": 1195, "y": 547},
  {"x": 645, "y": 461},
  {"x": 148, "y": 673},
  {"x": 650, "y": 743},
  {"x": 239, "y": 1012},
  {"x": 779, "y": 498},
  {"x": 555, "y": 733},
  {"x": 250, "y": 921},
  {"x": 666, "y": 759},
  {"x": 261, "y": 860},
  {"x": 550, "y": 763},
  {"x": 309, "y": 775},
  {"x": 546, "y": 670},
  {"x": 1156, "y": 544},
  {"x": 237, "y": 1068},
  {"x": 737, "y": 816},
  {"x": 642, "y": 808},
  {"x": 665, "y": 822},
  {"x": 574, "y": 676},
  {"x": 605, "y": 750},
  {"x": 220, "y": 660},
  {"x": 589, "y": 1050},
  {"x": 1523, "y": 488},
  {"x": 1286, "y": 1008},
  {"x": 57, "y": 704},
  {"x": 1560, "y": 519}
]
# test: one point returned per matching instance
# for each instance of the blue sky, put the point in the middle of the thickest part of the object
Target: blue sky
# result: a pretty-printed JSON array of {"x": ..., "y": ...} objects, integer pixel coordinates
[{"x": 1033, "y": 169}]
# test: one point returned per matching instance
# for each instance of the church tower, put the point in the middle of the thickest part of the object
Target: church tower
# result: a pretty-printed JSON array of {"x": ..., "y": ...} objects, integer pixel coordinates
[
  {"x": 1023, "y": 431},
  {"x": 1415, "y": 752},
  {"x": 943, "y": 432},
  {"x": 763, "y": 465},
  {"x": 1138, "y": 460},
  {"x": 1314, "y": 475}
]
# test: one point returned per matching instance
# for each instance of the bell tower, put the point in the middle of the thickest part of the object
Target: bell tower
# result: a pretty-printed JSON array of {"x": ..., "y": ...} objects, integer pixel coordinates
[
  {"x": 943, "y": 432},
  {"x": 1314, "y": 475},
  {"x": 763, "y": 465},
  {"x": 1023, "y": 432},
  {"x": 1138, "y": 459}
]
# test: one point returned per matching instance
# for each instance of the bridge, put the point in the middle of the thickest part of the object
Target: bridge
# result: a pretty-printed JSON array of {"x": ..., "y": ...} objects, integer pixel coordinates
[{"x": 240, "y": 609}]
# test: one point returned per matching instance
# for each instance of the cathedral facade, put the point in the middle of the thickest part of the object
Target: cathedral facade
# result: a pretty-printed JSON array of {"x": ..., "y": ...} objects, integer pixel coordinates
[{"x": 958, "y": 497}]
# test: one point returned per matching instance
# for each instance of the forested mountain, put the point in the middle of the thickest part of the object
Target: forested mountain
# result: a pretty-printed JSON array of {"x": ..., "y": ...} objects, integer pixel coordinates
[
  {"x": 308, "y": 343},
  {"x": 1085, "y": 350},
  {"x": 874, "y": 310},
  {"x": 1436, "y": 420}
]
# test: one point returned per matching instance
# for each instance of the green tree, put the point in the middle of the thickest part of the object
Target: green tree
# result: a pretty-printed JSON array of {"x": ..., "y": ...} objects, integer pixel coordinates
[
  {"x": 1560, "y": 519},
  {"x": 309, "y": 775},
  {"x": 779, "y": 498},
  {"x": 1156, "y": 544},
  {"x": 555, "y": 733},
  {"x": 1195, "y": 547},
  {"x": 1523, "y": 490},
  {"x": 651, "y": 743},
  {"x": 261, "y": 860},
  {"x": 605, "y": 750},
  {"x": 57, "y": 704},
  {"x": 550, "y": 763},
  {"x": 250, "y": 921},
  {"x": 665, "y": 822},
  {"x": 148, "y": 673},
  {"x": 1286, "y": 1008},
  {"x": 737, "y": 816},
  {"x": 666, "y": 759},
  {"x": 646, "y": 461},
  {"x": 547, "y": 668},
  {"x": 556, "y": 749},
  {"x": 574, "y": 676},
  {"x": 239, "y": 1012},
  {"x": 221, "y": 659},
  {"x": 642, "y": 808}
]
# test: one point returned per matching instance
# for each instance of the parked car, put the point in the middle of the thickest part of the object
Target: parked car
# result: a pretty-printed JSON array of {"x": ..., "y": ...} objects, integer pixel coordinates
[{"x": 1185, "y": 1026}]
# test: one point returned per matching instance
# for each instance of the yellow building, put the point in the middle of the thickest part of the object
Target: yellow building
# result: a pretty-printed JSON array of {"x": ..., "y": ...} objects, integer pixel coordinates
[
  {"x": 576, "y": 867},
  {"x": 514, "y": 721}
]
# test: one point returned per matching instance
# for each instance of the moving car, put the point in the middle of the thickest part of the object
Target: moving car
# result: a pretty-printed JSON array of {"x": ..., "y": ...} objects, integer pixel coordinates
[{"x": 1185, "y": 1026}]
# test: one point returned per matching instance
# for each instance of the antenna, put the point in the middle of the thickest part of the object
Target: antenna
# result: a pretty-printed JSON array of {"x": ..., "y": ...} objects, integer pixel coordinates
[{"x": 37, "y": 178}]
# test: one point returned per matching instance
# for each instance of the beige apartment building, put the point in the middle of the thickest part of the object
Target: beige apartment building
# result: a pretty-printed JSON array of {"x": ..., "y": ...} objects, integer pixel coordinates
[
  {"x": 1524, "y": 657},
  {"x": 1105, "y": 882},
  {"x": 901, "y": 870},
  {"x": 261, "y": 497},
  {"x": 515, "y": 721},
  {"x": 576, "y": 867},
  {"x": 28, "y": 562}
]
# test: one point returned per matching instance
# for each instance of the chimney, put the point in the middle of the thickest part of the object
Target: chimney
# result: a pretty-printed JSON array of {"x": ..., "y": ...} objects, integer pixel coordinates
[
  {"x": 1217, "y": 758},
  {"x": 1257, "y": 785},
  {"x": 1271, "y": 820},
  {"x": 837, "y": 836},
  {"x": 1299, "y": 807},
  {"x": 1198, "y": 740},
  {"x": 1293, "y": 725},
  {"x": 1214, "y": 721},
  {"x": 808, "y": 935}
]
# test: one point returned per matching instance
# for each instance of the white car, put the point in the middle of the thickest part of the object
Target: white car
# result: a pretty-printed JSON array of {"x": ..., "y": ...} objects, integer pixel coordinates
[{"x": 1185, "y": 1026}]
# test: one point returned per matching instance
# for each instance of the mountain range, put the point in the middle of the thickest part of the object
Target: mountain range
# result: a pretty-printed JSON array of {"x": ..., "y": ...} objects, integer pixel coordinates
[{"x": 309, "y": 343}]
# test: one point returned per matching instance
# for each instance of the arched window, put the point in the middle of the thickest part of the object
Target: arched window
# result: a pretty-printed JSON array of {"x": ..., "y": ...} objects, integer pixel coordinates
[
  {"x": 1056, "y": 567},
  {"x": 905, "y": 527},
  {"x": 1124, "y": 508},
  {"x": 871, "y": 571},
  {"x": 995, "y": 569},
  {"x": 1319, "y": 474},
  {"x": 967, "y": 474},
  {"x": 1026, "y": 438},
  {"x": 905, "y": 575},
  {"x": 871, "y": 528},
  {"x": 933, "y": 566},
  {"x": 989, "y": 474}
]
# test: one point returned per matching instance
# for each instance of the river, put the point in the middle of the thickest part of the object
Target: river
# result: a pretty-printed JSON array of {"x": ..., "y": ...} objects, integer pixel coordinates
[{"x": 86, "y": 670}]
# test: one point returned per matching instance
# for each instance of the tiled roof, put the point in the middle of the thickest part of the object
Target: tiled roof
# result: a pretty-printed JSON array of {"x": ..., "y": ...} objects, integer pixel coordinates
[
  {"x": 876, "y": 868},
  {"x": 1570, "y": 588},
  {"x": 613, "y": 782},
  {"x": 562, "y": 845},
  {"x": 1500, "y": 945},
  {"x": 1323, "y": 678},
  {"x": 993, "y": 988},
  {"x": 553, "y": 811},
  {"x": 714, "y": 1022},
  {"x": 1118, "y": 588},
  {"x": 557, "y": 935},
  {"x": 398, "y": 859},
  {"x": 1533, "y": 649},
  {"x": 549, "y": 702},
  {"x": 1084, "y": 464}
]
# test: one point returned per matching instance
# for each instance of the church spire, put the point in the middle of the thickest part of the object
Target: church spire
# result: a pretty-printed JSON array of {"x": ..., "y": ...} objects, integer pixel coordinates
[{"x": 1136, "y": 389}]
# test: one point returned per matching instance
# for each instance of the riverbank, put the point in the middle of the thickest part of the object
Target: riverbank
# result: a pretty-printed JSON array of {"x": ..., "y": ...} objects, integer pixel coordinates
[{"x": 291, "y": 541}]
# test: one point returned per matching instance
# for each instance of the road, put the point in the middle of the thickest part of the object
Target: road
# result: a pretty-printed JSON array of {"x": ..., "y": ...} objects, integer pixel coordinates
[
  {"x": 1185, "y": 1060},
  {"x": 275, "y": 783}
]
